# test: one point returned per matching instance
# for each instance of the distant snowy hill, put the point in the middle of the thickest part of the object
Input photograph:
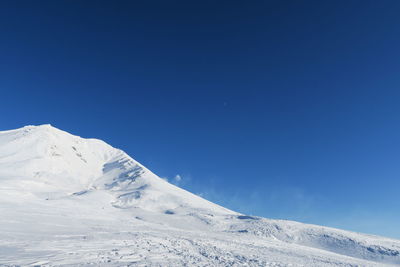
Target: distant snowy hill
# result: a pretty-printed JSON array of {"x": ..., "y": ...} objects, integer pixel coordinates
[{"x": 69, "y": 201}]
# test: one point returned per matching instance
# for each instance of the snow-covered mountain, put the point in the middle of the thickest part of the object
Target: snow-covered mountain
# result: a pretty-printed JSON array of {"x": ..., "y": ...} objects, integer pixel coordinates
[{"x": 70, "y": 201}]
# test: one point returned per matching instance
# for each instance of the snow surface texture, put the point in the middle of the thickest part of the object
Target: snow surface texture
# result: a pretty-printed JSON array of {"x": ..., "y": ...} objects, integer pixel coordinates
[{"x": 69, "y": 201}]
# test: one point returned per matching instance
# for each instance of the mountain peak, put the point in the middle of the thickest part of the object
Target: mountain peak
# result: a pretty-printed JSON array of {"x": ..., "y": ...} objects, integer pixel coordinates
[
  {"x": 74, "y": 201},
  {"x": 62, "y": 164}
]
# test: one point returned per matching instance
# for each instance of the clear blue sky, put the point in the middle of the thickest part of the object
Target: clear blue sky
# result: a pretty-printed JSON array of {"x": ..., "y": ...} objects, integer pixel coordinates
[{"x": 282, "y": 109}]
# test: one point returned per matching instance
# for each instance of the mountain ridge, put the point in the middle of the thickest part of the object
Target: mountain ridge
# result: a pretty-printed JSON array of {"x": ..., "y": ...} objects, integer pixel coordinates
[
  {"x": 103, "y": 166},
  {"x": 58, "y": 188}
]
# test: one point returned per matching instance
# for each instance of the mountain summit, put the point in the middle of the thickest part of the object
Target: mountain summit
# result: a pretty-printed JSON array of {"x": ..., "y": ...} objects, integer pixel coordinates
[
  {"x": 57, "y": 164},
  {"x": 70, "y": 201}
]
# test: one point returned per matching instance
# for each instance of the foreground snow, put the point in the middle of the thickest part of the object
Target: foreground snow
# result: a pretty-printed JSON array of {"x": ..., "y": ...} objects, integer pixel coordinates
[{"x": 70, "y": 201}]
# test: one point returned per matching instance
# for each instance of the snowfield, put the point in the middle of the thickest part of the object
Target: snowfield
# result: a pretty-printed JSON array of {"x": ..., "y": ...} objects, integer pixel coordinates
[{"x": 69, "y": 201}]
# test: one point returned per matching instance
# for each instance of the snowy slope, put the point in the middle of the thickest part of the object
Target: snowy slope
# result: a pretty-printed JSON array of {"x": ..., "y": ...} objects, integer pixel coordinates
[{"x": 69, "y": 201}]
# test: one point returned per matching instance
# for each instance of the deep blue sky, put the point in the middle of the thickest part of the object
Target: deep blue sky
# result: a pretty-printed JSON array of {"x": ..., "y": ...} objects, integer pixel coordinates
[{"x": 282, "y": 109}]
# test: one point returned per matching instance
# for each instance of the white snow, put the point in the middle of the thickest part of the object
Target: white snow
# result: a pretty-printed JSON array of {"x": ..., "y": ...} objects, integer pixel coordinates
[{"x": 70, "y": 201}]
